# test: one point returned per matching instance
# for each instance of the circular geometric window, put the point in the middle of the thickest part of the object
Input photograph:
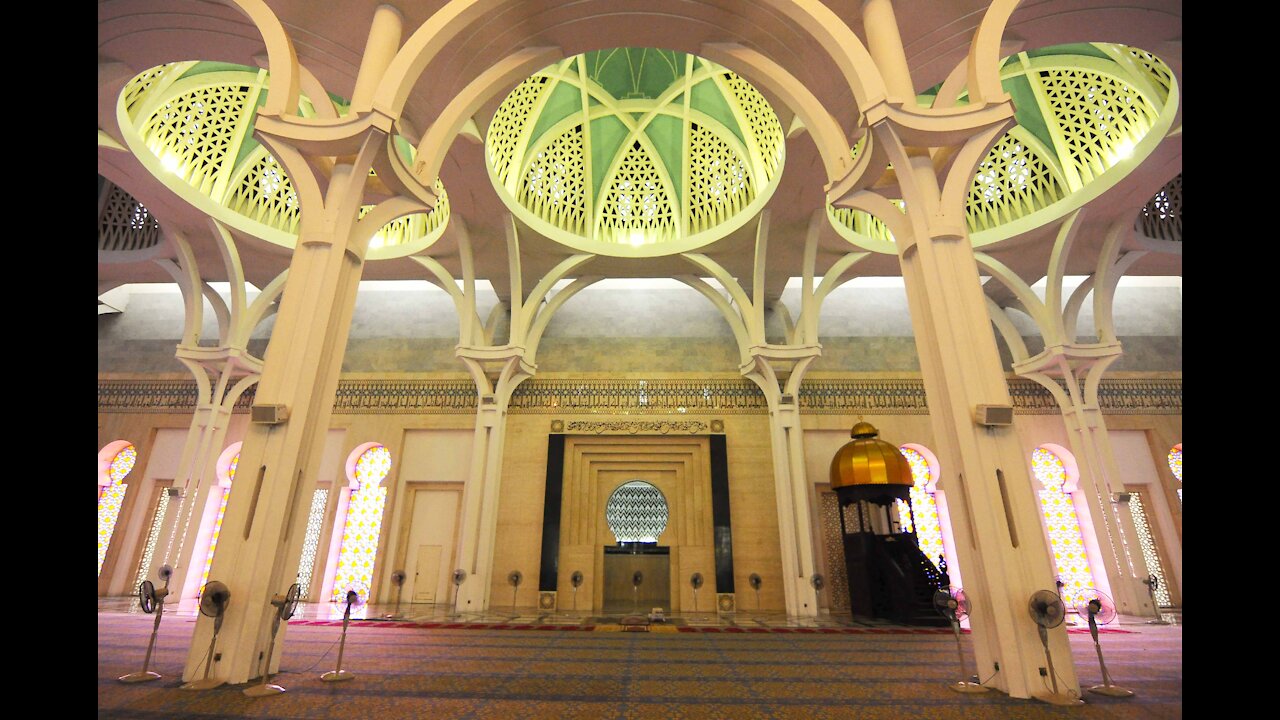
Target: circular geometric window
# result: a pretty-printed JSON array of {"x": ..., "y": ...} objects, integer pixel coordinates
[{"x": 636, "y": 512}]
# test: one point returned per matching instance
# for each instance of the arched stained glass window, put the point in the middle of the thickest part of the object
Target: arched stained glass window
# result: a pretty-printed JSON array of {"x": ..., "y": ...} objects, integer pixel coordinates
[
  {"x": 1070, "y": 561},
  {"x": 363, "y": 524},
  {"x": 111, "y": 497},
  {"x": 925, "y": 522},
  {"x": 217, "y": 524},
  {"x": 1175, "y": 464}
]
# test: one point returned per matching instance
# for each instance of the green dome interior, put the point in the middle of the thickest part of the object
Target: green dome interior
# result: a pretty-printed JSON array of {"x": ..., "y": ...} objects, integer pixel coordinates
[{"x": 622, "y": 150}]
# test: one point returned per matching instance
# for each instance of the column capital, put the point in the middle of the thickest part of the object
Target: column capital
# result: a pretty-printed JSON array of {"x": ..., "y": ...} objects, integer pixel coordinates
[
  {"x": 497, "y": 371},
  {"x": 220, "y": 359},
  {"x": 1069, "y": 362},
  {"x": 917, "y": 126},
  {"x": 779, "y": 370}
]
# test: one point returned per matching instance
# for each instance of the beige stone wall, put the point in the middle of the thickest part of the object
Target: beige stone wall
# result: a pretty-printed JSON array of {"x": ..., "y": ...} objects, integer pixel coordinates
[
  {"x": 595, "y": 464},
  {"x": 432, "y": 450}
]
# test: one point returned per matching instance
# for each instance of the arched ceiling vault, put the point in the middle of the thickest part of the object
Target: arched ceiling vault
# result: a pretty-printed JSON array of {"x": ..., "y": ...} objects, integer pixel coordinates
[{"x": 134, "y": 35}]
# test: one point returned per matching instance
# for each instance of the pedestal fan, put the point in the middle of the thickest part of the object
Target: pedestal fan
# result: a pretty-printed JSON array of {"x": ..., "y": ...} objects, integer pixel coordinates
[
  {"x": 515, "y": 577},
  {"x": 1100, "y": 611},
  {"x": 695, "y": 581},
  {"x": 213, "y": 603},
  {"x": 397, "y": 579},
  {"x": 954, "y": 606},
  {"x": 152, "y": 601},
  {"x": 285, "y": 606},
  {"x": 1047, "y": 611},
  {"x": 459, "y": 577},
  {"x": 576, "y": 581},
  {"x": 756, "y": 582},
  {"x": 338, "y": 674},
  {"x": 1152, "y": 582},
  {"x": 637, "y": 579}
]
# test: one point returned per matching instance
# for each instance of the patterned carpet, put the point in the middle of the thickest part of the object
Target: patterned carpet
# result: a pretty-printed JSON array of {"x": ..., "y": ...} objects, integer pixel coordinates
[{"x": 437, "y": 672}]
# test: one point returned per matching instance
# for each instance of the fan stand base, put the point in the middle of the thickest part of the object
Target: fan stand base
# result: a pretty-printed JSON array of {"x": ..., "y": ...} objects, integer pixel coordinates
[
  {"x": 964, "y": 686},
  {"x": 1111, "y": 691},
  {"x": 263, "y": 690},
  {"x": 205, "y": 684},
  {"x": 337, "y": 676},
  {"x": 140, "y": 676},
  {"x": 1057, "y": 699},
  {"x": 1159, "y": 621}
]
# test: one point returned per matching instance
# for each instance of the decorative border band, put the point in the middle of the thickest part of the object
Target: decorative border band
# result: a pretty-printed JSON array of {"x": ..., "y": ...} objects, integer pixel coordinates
[{"x": 719, "y": 396}]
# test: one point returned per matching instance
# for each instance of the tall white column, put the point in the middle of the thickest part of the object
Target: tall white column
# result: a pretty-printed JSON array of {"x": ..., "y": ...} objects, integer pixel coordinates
[
  {"x": 481, "y": 496},
  {"x": 994, "y": 512},
  {"x": 266, "y": 516},
  {"x": 792, "y": 489}
]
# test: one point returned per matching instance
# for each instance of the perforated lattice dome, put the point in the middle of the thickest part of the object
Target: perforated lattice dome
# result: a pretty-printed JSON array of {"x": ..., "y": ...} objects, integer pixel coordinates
[
  {"x": 635, "y": 151},
  {"x": 191, "y": 124},
  {"x": 1082, "y": 113}
]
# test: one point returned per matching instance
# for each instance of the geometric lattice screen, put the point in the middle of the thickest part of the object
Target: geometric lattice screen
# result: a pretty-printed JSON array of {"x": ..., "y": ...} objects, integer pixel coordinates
[
  {"x": 125, "y": 224},
  {"x": 636, "y": 512},
  {"x": 1149, "y": 553},
  {"x": 311, "y": 540},
  {"x": 1161, "y": 217},
  {"x": 153, "y": 536}
]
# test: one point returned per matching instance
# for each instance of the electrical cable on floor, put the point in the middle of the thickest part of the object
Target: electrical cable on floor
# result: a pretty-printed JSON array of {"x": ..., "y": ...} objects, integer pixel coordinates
[
  {"x": 317, "y": 662},
  {"x": 196, "y": 670},
  {"x": 1070, "y": 693}
]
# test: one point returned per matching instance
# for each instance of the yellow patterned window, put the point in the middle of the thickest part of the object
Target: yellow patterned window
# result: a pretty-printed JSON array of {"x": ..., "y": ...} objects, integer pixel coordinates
[
  {"x": 111, "y": 497},
  {"x": 1070, "y": 561},
  {"x": 1175, "y": 464},
  {"x": 217, "y": 524},
  {"x": 925, "y": 522},
  {"x": 364, "y": 523}
]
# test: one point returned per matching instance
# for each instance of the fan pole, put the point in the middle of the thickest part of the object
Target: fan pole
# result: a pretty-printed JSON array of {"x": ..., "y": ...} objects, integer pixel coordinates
[
  {"x": 265, "y": 689},
  {"x": 399, "y": 589},
  {"x": 207, "y": 683},
  {"x": 1151, "y": 590},
  {"x": 1056, "y": 698},
  {"x": 964, "y": 686},
  {"x": 695, "y": 601},
  {"x": 340, "y": 674},
  {"x": 575, "y": 598},
  {"x": 144, "y": 675},
  {"x": 1106, "y": 688},
  {"x": 456, "y": 588}
]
